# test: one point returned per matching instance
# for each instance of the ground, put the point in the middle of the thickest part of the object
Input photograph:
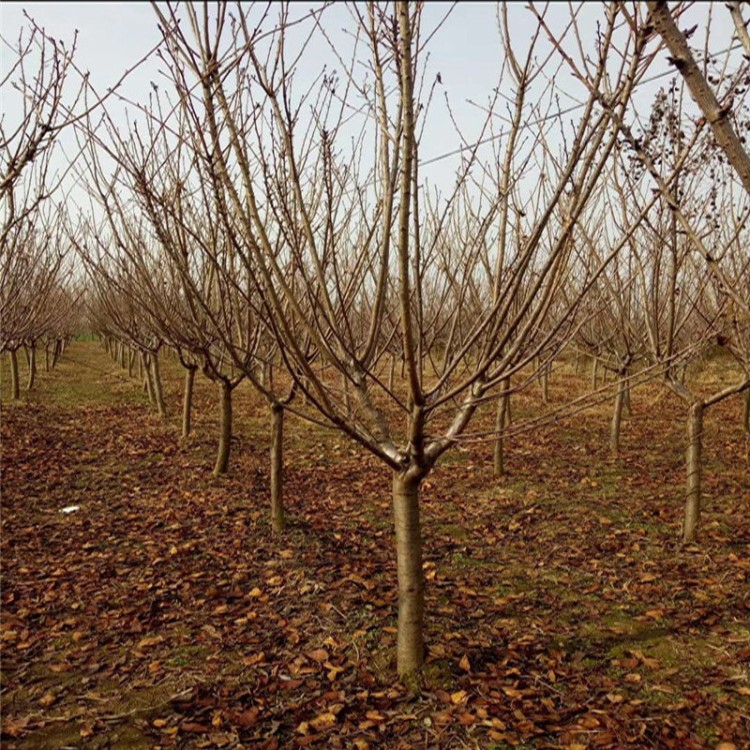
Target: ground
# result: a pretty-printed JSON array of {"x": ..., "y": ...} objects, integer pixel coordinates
[{"x": 562, "y": 611}]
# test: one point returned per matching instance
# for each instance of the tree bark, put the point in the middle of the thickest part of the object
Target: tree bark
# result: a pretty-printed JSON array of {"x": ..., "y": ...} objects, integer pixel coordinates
[
  {"x": 499, "y": 453},
  {"x": 410, "y": 648},
  {"x": 187, "y": 401},
  {"x": 32, "y": 367},
  {"x": 694, "y": 468},
  {"x": 56, "y": 353},
  {"x": 148, "y": 384},
  {"x": 277, "y": 468},
  {"x": 716, "y": 115},
  {"x": 15, "y": 387},
  {"x": 627, "y": 403},
  {"x": 594, "y": 373},
  {"x": 158, "y": 390},
  {"x": 614, "y": 432},
  {"x": 225, "y": 434}
]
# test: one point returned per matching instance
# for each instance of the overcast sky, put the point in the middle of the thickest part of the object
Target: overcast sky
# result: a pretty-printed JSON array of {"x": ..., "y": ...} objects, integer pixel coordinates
[{"x": 466, "y": 51}]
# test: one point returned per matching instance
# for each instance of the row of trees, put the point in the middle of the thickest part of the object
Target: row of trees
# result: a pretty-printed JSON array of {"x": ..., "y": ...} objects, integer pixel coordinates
[{"x": 284, "y": 234}]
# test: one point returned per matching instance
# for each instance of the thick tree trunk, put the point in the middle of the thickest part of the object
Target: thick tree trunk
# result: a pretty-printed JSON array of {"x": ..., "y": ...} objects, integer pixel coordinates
[
  {"x": 15, "y": 386},
  {"x": 614, "y": 432},
  {"x": 187, "y": 401},
  {"x": 32, "y": 367},
  {"x": 746, "y": 412},
  {"x": 225, "y": 434},
  {"x": 158, "y": 390},
  {"x": 502, "y": 408},
  {"x": 410, "y": 649},
  {"x": 694, "y": 468},
  {"x": 277, "y": 468}
]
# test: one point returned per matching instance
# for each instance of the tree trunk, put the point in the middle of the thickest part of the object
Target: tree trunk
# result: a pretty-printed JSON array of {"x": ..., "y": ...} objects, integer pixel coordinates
[
  {"x": 410, "y": 649},
  {"x": 158, "y": 390},
  {"x": 131, "y": 361},
  {"x": 32, "y": 367},
  {"x": 122, "y": 355},
  {"x": 627, "y": 404},
  {"x": 508, "y": 412},
  {"x": 225, "y": 435},
  {"x": 56, "y": 353},
  {"x": 15, "y": 388},
  {"x": 46, "y": 357},
  {"x": 392, "y": 373},
  {"x": 187, "y": 401},
  {"x": 594, "y": 373},
  {"x": 545, "y": 383},
  {"x": 277, "y": 468},
  {"x": 694, "y": 467},
  {"x": 746, "y": 412},
  {"x": 499, "y": 453},
  {"x": 614, "y": 432},
  {"x": 148, "y": 384}
]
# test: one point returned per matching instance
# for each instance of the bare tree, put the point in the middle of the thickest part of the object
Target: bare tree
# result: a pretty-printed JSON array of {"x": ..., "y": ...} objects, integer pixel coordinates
[{"x": 361, "y": 236}]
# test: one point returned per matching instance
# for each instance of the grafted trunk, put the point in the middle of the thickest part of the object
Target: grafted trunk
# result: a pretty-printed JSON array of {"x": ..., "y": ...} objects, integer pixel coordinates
[
  {"x": 187, "y": 401},
  {"x": 32, "y": 367},
  {"x": 15, "y": 386},
  {"x": 225, "y": 434},
  {"x": 502, "y": 408},
  {"x": 277, "y": 468},
  {"x": 694, "y": 468},
  {"x": 614, "y": 432},
  {"x": 410, "y": 648},
  {"x": 746, "y": 412},
  {"x": 158, "y": 390}
]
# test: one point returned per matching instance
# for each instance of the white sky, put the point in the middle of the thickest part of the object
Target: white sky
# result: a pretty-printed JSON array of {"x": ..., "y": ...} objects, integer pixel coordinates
[{"x": 466, "y": 52}]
